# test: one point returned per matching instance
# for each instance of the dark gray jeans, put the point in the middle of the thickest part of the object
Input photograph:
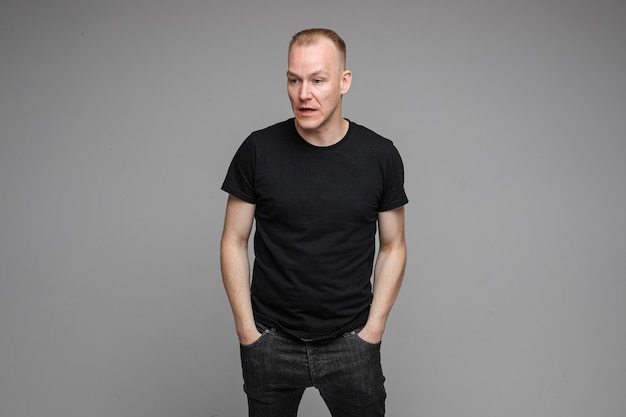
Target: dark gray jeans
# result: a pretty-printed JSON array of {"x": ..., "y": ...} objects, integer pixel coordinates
[{"x": 346, "y": 370}]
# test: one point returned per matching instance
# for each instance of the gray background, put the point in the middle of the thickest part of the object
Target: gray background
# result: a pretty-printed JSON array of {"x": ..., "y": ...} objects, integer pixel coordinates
[{"x": 118, "y": 119}]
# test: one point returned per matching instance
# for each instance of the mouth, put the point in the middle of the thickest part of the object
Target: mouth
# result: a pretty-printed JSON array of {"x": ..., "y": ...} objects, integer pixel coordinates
[{"x": 306, "y": 111}]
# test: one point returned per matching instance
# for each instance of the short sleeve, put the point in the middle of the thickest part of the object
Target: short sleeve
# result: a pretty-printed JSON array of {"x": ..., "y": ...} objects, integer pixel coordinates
[
  {"x": 394, "y": 195},
  {"x": 239, "y": 180}
]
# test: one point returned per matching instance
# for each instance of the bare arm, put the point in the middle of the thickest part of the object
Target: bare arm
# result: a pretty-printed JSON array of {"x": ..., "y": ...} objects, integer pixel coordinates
[
  {"x": 236, "y": 266},
  {"x": 388, "y": 272}
]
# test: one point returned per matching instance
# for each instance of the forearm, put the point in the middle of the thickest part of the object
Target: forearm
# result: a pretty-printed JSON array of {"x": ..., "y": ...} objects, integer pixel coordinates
[
  {"x": 236, "y": 278},
  {"x": 388, "y": 274}
]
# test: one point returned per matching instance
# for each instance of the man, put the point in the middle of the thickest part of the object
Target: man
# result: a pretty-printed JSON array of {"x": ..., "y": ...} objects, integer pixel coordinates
[{"x": 318, "y": 185}]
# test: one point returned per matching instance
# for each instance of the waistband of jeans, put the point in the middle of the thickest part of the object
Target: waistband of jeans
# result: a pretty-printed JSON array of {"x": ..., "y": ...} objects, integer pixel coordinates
[{"x": 268, "y": 329}]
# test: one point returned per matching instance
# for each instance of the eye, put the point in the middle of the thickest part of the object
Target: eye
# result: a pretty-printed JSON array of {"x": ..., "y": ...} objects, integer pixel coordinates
[
  {"x": 292, "y": 81},
  {"x": 318, "y": 81}
]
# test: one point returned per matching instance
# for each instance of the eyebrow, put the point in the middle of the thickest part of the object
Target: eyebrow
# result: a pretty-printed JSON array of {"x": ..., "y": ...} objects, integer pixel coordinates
[{"x": 313, "y": 74}]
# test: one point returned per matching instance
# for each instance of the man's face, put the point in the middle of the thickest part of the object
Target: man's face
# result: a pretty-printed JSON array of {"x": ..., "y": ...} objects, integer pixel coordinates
[{"x": 316, "y": 81}]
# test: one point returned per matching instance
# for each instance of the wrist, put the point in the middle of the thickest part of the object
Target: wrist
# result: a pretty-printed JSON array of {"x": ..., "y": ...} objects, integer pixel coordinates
[
  {"x": 376, "y": 324},
  {"x": 371, "y": 335},
  {"x": 248, "y": 335}
]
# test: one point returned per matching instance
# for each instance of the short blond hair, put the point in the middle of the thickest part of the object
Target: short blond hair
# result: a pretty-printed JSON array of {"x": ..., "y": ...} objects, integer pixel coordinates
[{"x": 312, "y": 36}]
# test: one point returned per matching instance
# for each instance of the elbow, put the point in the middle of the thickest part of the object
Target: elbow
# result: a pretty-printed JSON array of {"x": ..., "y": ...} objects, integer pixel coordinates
[
  {"x": 233, "y": 243},
  {"x": 396, "y": 245}
]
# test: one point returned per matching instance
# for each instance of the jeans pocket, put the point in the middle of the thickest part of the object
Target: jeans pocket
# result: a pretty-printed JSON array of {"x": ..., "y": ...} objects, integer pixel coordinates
[
  {"x": 253, "y": 344},
  {"x": 355, "y": 335},
  {"x": 377, "y": 345},
  {"x": 264, "y": 332}
]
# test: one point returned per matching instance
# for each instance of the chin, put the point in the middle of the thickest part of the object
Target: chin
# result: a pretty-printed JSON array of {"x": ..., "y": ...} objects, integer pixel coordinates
[{"x": 307, "y": 124}]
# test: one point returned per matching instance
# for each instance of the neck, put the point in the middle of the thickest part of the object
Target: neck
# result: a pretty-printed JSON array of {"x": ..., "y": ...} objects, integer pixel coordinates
[{"x": 326, "y": 136}]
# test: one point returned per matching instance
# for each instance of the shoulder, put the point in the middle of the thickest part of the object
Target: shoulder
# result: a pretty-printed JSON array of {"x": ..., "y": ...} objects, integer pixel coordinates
[
  {"x": 269, "y": 137},
  {"x": 375, "y": 141},
  {"x": 285, "y": 128}
]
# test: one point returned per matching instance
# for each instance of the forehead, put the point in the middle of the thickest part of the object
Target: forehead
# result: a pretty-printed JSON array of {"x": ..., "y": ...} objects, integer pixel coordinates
[{"x": 322, "y": 54}]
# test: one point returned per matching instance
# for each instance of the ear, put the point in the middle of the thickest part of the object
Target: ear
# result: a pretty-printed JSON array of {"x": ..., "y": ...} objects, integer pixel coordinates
[{"x": 346, "y": 81}]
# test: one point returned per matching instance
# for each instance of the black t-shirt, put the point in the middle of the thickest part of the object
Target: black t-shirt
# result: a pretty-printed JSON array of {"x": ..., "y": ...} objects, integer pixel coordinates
[{"x": 316, "y": 217}]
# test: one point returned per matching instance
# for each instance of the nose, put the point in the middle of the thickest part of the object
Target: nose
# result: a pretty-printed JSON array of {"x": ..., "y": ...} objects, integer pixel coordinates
[{"x": 305, "y": 91}]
